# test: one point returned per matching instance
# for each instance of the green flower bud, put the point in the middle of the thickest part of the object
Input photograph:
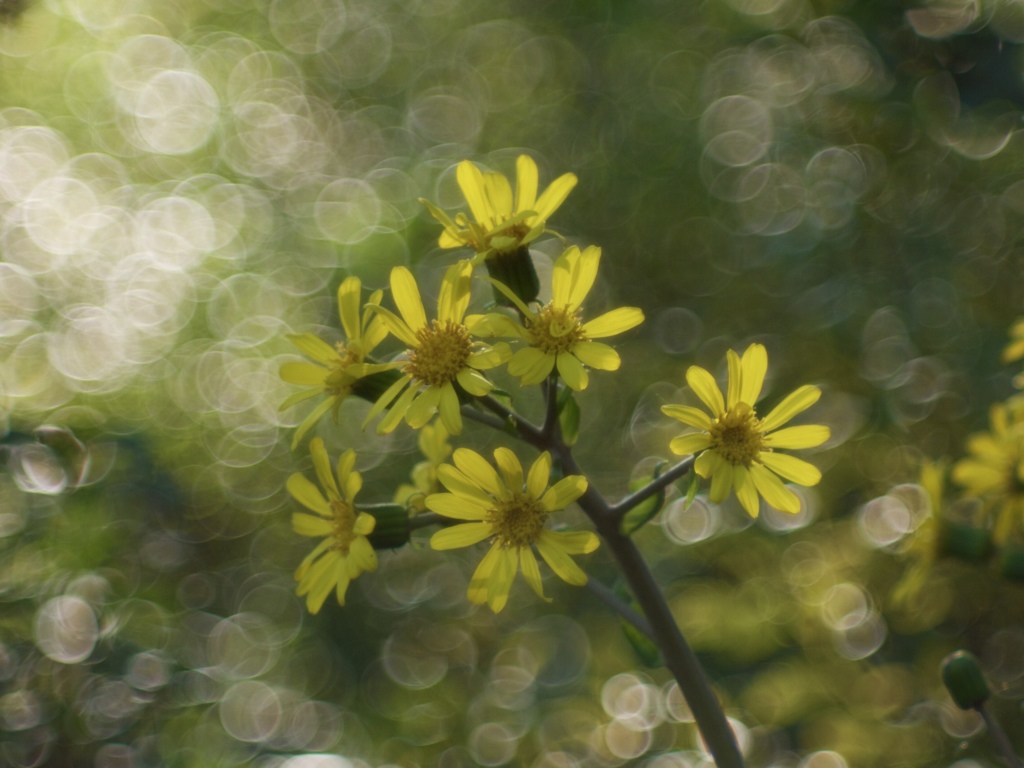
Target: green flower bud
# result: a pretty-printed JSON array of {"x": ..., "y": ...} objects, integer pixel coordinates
[
  {"x": 392, "y": 528},
  {"x": 961, "y": 674},
  {"x": 515, "y": 269}
]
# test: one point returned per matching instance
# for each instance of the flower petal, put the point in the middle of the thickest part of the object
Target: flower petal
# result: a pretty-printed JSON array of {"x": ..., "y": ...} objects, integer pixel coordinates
[
  {"x": 407, "y": 298},
  {"x": 584, "y": 274},
  {"x": 457, "y": 507},
  {"x": 449, "y": 410},
  {"x": 308, "y": 525},
  {"x": 704, "y": 386},
  {"x": 306, "y": 374},
  {"x": 797, "y": 402},
  {"x": 399, "y": 408},
  {"x": 540, "y": 474},
  {"x": 689, "y": 415},
  {"x": 490, "y": 357},
  {"x": 574, "y": 542},
  {"x": 474, "y": 383},
  {"x": 479, "y": 471},
  {"x": 458, "y": 536},
  {"x": 499, "y": 195},
  {"x": 559, "y": 561},
  {"x": 311, "y": 419},
  {"x": 809, "y": 436},
  {"x": 612, "y": 323},
  {"x": 322, "y": 465},
  {"x": 531, "y": 365},
  {"x": 511, "y": 469},
  {"x": 385, "y": 400},
  {"x": 746, "y": 491},
  {"x": 572, "y": 371},
  {"x": 471, "y": 182},
  {"x": 554, "y": 196},
  {"x": 456, "y": 481},
  {"x": 689, "y": 444},
  {"x": 791, "y": 468},
  {"x": 528, "y": 563},
  {"x": 308, "y": 495},
  {"x": 755, "y": 366},
  {"x": 526, "y": 183},
  {"x": 500, "y": 583},
  {"x": 397, "y": 326},
  {"x": 453, "y": 298},
  {"x": 314, "y": 347},
  {"x": 774, "y": 492},
  {"x": 477, "y": 592},
  {"x": 721, "y": 479},
  {"x": 564, "y": 492},
  {"x": 348, "y": 306},
  {"x": 422, "y": 409},
  {"x": 597, "y": 355},
  {"x": 732, "y": 394}
]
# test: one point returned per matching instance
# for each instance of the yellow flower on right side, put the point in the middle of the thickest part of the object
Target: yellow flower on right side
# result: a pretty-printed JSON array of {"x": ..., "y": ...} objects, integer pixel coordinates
[{"x": 737, "y": 449}]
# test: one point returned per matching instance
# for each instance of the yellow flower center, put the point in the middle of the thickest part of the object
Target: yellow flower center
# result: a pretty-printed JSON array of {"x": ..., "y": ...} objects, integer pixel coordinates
[
  {"x": 555, "y": 330},
  {"x": 442, "y": 351},
  {"x": 338, "y": 382},
  {"x": 518, "y": 521},
  {"x": 736, "y": 435},
  {"x": 344, "y": 525}
]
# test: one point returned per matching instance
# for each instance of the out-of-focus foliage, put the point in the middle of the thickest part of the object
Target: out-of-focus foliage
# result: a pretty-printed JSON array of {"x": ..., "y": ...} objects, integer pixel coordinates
[{"x": 184, "y": 182}]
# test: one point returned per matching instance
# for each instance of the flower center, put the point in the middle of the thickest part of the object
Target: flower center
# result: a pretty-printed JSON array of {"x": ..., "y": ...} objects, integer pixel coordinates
[
  {"x": 736, "y": 435},
  {"x": 344, "y": 525},
  {"x": 518, "y": 521},
  {"x": 555, "y": 330},
  {"x": 338, "y": 382},
  {"x": 442, "y": 352}
]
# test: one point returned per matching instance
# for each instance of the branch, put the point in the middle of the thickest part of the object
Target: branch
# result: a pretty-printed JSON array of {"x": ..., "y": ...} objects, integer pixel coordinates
[
  {"x": 666, "y": 478},
  {"x": 610, "y": 599}
]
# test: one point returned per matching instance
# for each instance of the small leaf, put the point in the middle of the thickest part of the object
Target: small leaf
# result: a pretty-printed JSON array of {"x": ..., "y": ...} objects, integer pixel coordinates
[
  {"x": 568, "y": 416},
  {"x": 642, "y": 645},
  {"x": 691, "y": 489},
  {"x": 639, "y": 515}
]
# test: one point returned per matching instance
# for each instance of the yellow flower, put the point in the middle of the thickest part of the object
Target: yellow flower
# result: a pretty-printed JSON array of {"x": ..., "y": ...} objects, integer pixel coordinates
[
  {"x": 434, "y": 445},
  {"x": 556, "y": 335},
  {"x": 1015, "y": 349},
  {"x": 995, "y": 471},
  {"x": 336, "y": 368},
  {"x": 737, "y": 448},
  {"x": 923, "y": 545},
  {"x": 440, "y": 354},
  {"x": 512, "y": 514},
  {"x": 503, "y": 223},
  {"x": 345, "y": 552}
]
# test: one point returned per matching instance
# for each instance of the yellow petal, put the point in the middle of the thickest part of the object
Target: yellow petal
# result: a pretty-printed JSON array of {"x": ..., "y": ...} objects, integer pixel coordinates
[
  {"x": 809, "y": 436},
  {"x": 500, "y": 583},
  {"x": 531, "y": 365},
  {"x": 384, "y": 400},
  {"x": 732, "y": 395},
  {"x": 689, "y": 415},
  {"x": 797, "y": 402},
  {"x": 572, "y": 370},
  {"x": 471, "y": 182},
  {"x": 322, "y": 465},
  {"x": 392, "y": 322},
  {"x": 559, "y": 561},
  {"x": 314, "y": 347},
  {"x": 689, "y": 444},
  {"x": 704, "y": 386},
  {"x": 422, "y": 409},
  {"x": 348, "y": 306},
  {"x": 774, "y": 492},
  {"x": 308, "y": 495},
  {"x": 564, "y": 492},
  {"x": 458, "y": 536},
  {"x": 407, "y": 298},
  {"x": 310, "y": 420},
  {"x": 474, "y": 383},
  {"x": 298, "y": 397},
  {"x": 456, "y": 481},
  {"x": 478, "y": 470},
  {"x": 457, "y": 507},
  {"x": 511, "y": 469},
  {"x": 554, "y": 196},
  {"x": 306, "y": 374},
  {"x": 478, "y": 584},
  {"x": 449, "y": 410},
  {"x": 791, "y": 468},
  {"x": 399, "y": 408},
  {"x": 612, "y": 323},
  {"x": 540, "y": 474},
  {"x": 597, "y": 355},
  {"x": 707, "y": 463},
  {"x": 584, "y": 274},
  {"x": 562, "y": 275},
  {"x": 499, "y": 196},
  {"x": 526, "y": 183},
  {"x": 308, "y": 525},
  {"x": 490, "y": 357},
  {"x": 721, "y": 479},
  {"x": 755, "y": 366},
  {"x": 574, "y": 542},
  {"x": 746, "y": 491},
  {"x": 528, "y": 563},
  {"x": 453, "y": 298}
]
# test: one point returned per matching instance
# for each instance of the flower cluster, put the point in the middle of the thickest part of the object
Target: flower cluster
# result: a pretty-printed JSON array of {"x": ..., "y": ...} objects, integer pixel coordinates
[{"x": 441, "y": 370}]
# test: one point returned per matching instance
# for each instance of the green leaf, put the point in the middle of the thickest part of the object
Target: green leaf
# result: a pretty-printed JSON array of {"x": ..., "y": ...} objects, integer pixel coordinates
[
  {"x": 568, "y": 416},
  {"x": 642, "y": 645},
  {"x": 691, "y": 490},
  {"x": 639, "y": 515}
]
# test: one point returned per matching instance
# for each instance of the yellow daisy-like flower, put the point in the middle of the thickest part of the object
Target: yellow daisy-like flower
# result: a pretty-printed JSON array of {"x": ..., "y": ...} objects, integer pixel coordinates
[
  {"x": 434, "y": 445},
  {"x": 556, "y": 335},
  {"x": 737, "y": 449},
  {"x": 512, "y": 514},
  {"x": 336, "y": 368},
  {"x": 504, "y": 222},
  {"x": 345, "y": 552},
  {"x": 995, "y": 470},
  {"x": 440, "y": 353}
]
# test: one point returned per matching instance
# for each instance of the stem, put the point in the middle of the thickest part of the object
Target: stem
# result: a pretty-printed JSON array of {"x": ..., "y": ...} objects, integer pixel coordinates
[
  {"x": 999, "y": 737},
  {"x": 663, "y": 480},
  {"x": 610, "y": 599},
  {"x": 427, "y": 519}
]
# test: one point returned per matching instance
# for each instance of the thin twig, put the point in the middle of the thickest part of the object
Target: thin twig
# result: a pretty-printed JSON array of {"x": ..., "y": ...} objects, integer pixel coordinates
[
  {"x": 666, "y": 478},
  {"x": 427, "y": 519},
  {"x": 486, "y": 419},
  {"x": 610, "y": 599},
  {"x": 999, "y": 737}
]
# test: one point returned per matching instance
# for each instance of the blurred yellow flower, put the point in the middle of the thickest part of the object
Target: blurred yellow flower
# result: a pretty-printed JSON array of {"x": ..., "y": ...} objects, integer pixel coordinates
[
  {"x": 345, "y": 552},
  {"x": 556, "y": 335},
  {"x": 737, "y": 449},
  {"x": 1015, "y": 349},
  {"x": 995, "y": 470},
  {"x": 512, "y": 514},
  {"x": 336, "y": 368},
  {"x": 435, "y": 447},
  {"x": 440, "y": 353},
  {"x": 923, "y": 544},
  {"x": 503, "y": 223}
]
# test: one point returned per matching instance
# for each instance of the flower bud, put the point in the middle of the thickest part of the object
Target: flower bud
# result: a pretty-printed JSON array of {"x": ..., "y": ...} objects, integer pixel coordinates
[
  {"x": 392, "y": 528},
  {"x": 961, "y": 674},
  {"x": 515, "y": 269}
]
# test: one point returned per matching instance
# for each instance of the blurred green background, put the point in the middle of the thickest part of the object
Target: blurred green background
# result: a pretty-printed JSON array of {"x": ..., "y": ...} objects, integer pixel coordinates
[{"x": 183, "y": 182}]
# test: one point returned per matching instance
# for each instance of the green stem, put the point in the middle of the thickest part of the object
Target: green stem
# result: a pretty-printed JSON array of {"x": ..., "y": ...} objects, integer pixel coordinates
[
  {"x": 999, "y": 737},
  {"x": 665, "y": 479},
  {"x": 609, "y": 598}
]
